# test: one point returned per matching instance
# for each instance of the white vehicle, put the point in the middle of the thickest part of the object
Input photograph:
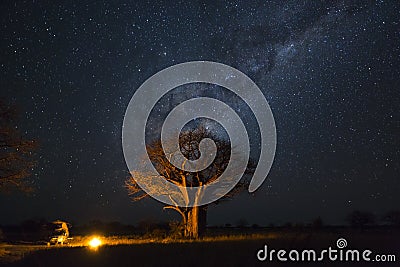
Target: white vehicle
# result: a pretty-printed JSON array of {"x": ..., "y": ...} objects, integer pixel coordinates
[{"x": 61, "y": 233}]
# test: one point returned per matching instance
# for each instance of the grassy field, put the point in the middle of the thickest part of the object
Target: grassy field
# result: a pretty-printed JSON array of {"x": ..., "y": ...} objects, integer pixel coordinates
[{"x": 215, "y": 250}]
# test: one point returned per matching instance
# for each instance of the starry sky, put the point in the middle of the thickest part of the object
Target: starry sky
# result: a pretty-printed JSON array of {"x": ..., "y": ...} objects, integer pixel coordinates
[{"x": 329, "y": 70}]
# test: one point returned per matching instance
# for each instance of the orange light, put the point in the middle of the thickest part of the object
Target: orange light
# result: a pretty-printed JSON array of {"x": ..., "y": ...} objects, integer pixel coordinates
[{"x": 95, "y": 242}]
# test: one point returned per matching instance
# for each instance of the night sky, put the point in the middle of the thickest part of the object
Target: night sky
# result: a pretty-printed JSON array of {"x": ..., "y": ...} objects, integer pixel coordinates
[{"x": 330, "y": 72}]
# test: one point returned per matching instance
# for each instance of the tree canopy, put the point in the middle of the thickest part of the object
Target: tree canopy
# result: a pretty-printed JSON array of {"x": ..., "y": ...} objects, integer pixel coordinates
[
  {"x": 16, "y": 153},
  {"x": 189, "y": 146}
]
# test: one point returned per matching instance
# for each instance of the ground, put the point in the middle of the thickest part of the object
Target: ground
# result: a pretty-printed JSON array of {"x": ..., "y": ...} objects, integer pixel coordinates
[{"x": 214, "y": 250}]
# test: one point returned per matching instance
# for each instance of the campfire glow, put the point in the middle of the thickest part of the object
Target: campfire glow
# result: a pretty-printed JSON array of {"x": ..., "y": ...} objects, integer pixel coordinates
[{"x": 95, "y": 242}]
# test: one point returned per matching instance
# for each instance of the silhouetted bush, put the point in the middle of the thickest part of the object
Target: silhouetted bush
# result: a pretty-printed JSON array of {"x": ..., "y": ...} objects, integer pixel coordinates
[
  {"x": 255, "y": 226},
  {"x": 392, "y": 217},
  {"x": 288, "y": 225},
  {"x": 317, "y": 223},
  {"x": 176, "y": 230},
  {"x": 242, "y": 223},
  {"x": 360, "y": 218}
]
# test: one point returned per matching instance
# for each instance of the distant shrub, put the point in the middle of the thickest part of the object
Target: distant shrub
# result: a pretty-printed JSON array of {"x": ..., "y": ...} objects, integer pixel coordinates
[
  {"x": 176, "y": 230},
  {"x": 155, "y": 234},
  {"x": 242, "y": 223},
  {"x": 361, "y": 218},
  {"x": 288, "y": 224},
  {"x": 255, "y": 226},
  {"x": 159, "y": 233},
  {"x": 317, "y": 223},
  {"x": 392, "y": 217}
]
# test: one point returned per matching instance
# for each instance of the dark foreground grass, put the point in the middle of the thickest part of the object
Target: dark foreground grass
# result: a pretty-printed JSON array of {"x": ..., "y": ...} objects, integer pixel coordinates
[{"x": 223, "y": 252}]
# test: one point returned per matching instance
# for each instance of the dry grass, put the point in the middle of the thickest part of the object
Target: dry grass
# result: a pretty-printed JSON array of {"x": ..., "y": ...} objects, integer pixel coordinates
[
  {"x": 231, "y": 249},
  {"x": 81, "y": 241},
  {"x": 10, "y": 252}
]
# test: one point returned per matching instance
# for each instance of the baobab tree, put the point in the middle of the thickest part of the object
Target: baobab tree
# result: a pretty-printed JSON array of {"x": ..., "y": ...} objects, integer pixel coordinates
[
  {"x": 16, "y": 153},
  {"x": 193, "y": 218}
]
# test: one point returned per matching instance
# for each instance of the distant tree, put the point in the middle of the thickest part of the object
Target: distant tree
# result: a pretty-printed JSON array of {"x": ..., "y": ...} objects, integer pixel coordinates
[
  {"x": 16, "y": 152},
  {"x": 288, "y": 225},
  {"x": 193, "y": 218},
  {"x": 147, "y": 225},
  {"x": 242, "y": 223},
  {"x": 317, "y": 223},
  {"x": 361, "y": 218},
  {"x": 392, "y": 217}
]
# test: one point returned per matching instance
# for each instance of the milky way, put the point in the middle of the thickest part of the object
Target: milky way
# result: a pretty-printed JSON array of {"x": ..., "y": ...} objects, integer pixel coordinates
[{"x": 329, "y": 72}]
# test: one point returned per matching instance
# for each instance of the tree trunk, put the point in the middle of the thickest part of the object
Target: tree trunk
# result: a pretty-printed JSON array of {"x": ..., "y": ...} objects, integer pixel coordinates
[
  {"x": 192, "y": 223},
  {"x": 195, "y": 222},
  {"x": 202, "y": 219}
]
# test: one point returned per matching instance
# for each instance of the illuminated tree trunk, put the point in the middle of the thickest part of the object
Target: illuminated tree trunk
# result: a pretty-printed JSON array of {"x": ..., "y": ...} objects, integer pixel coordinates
[
  {"x": 192, "y": 223},
  {"x": 195, "y": 222},
  {"x": 195, "y": 216}
]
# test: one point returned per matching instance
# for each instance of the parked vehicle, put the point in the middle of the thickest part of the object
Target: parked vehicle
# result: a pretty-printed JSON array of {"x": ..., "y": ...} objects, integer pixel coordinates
[{"x": 60, "y": 233}]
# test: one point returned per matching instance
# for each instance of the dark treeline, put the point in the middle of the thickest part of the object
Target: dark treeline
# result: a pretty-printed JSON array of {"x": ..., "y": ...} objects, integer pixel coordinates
[{"x": 38, "y": 230}]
